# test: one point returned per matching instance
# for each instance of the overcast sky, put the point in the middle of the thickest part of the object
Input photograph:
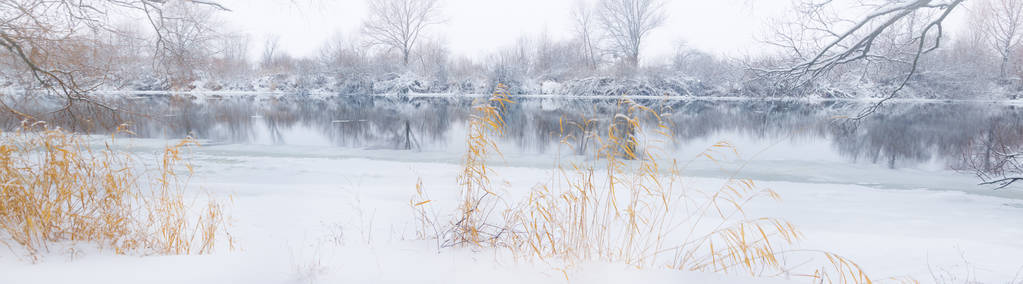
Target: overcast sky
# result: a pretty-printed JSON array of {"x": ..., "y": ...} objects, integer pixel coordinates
[{"x": 479, "y": 27}]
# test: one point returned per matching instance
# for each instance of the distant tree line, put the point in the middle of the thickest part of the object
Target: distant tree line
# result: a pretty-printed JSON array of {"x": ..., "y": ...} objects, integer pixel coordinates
[{"x": 889, "y": 46}]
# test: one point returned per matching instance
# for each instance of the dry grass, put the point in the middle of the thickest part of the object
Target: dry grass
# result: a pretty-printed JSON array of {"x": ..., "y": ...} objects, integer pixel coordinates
[
  {"x": 426, "y": 219},
  {"x": 478, "y": 197},
  {"x": 627, "y": 203},
  {"x": 641, "y": 213},
  {"x": 56, "y": 189}
]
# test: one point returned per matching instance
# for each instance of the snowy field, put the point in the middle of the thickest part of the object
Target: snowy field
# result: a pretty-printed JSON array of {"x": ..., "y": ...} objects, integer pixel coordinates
[
  {"x": 598, "y": 141},
  {"x": 313, "y": 214}
]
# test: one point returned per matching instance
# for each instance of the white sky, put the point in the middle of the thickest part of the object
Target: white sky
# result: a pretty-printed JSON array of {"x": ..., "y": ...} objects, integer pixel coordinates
[{"x": 479, "y": 27}]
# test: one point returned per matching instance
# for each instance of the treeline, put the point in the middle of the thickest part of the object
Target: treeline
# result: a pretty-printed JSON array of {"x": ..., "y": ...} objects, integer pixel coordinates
[{"x": 186, "y": 51}]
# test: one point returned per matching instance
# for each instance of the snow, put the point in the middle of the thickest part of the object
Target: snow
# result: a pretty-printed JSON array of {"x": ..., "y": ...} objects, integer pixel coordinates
[{"x": 305, "y": 213}]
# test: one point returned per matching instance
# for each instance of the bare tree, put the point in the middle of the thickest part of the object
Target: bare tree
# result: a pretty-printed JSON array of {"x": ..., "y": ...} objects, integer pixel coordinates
[
  {"x": 269, "y": 57},
  {"x": 274, "y": 60},
  {"x": 398, "y": 24},
  {"x": 1002, "y": 23},
  {"x": 232, "y": 61},
  {"x": 582, "y": 18},
  {"x": 627, "y": 23},
  {"x": 186, "y": 42},
  {"x": 35, "y": 32},
  {"x": 839, "y": 42},
  {"x": 433, "y": 61},
  {"x": 701, "y": 65},
  {"x": 343, "y": 56},
  {"x": 968, "y": 57}
]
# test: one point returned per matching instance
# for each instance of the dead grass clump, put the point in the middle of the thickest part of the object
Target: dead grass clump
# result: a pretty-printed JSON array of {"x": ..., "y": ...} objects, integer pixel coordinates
[
  {"x": 642, "y": 214},
  {"x": 627, "y": 203},
  {"x": 478, "y": 197},
  {"x": 56, "y": 189}
]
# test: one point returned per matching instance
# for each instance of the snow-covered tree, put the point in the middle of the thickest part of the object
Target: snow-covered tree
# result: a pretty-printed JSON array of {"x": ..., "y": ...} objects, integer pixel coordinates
[
  {"x": 627, "y": 23},
  {"x": 1002, "y": 23},
  {"x": 822, "y": 41},
  {"x": 398, "y": 24}
]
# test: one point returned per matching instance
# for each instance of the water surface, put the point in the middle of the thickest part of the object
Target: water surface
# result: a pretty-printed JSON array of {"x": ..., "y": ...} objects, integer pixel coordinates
[{"x": 906, "y": 145}]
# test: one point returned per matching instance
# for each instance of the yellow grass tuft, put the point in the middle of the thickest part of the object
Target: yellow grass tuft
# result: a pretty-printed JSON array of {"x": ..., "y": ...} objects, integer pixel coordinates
[
  {"x": 478, "y": 197},
  {"x": 626, "y": 203},
  {"x": 629, "y": 204},
  {"x": 57, "y": 189}
]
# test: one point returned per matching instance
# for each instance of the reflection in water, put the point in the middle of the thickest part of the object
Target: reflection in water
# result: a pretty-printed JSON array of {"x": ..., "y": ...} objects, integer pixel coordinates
[{"x": 962, "y": 135}]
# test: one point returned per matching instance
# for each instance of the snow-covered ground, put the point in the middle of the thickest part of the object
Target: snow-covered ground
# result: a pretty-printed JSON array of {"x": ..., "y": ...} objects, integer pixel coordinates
[{"x": 314, "y": 214}]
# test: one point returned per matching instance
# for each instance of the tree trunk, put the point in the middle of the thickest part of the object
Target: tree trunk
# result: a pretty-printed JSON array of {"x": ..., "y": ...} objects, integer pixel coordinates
[
  {"x": 404, "y": 57},
  {"x": 1005, "y": 63}
]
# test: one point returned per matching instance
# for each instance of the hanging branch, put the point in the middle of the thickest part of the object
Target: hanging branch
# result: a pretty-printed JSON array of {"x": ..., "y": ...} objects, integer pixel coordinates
[
  {"x": 859, "y": 41},
  {"x": 30, "y": 30}
]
